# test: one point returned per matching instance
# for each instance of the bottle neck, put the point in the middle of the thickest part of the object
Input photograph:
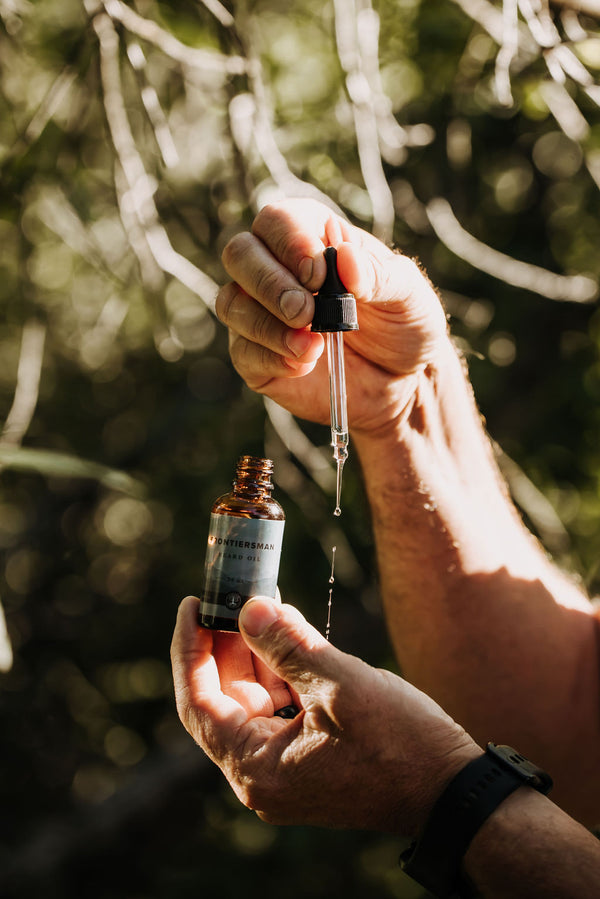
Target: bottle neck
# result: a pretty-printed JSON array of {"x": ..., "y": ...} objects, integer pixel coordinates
[
  {"x": 250, "y": 488},
  {"x": 253, "y": 477}
]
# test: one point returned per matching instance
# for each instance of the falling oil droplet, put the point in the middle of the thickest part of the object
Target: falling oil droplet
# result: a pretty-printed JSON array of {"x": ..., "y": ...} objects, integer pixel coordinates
[
  {"x": 338, "y": 488},
  {"x": 331, "y": 581}
]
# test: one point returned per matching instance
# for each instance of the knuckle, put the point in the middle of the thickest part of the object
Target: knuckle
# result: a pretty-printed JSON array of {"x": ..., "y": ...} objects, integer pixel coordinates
[
  {"x": 407, "y": 270},
  {"x": 287, "y": 653},
  {"x": 422, "y": 292},
  {"x": 255, "y": 794},
  {"x": 239, "y": 351},
  {"x": 224, "y": 302},
  {"x": 269, "y": 216},
  {"x": 269, "y": 817},
  {"x": 235, "y": 249},
  {"x": 262, "y": 330},
  {"x": 252, "y": 362},
  {"x": 337, "y": 700},
  {"x": 268, "y": 283},
  {"x": 274, "y": 225},
  {"x": 249, "y": 794},
  {"x": 331, "y": 715}
]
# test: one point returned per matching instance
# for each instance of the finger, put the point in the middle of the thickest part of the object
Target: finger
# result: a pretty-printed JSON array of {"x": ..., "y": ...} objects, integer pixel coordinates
[
  {"x": 296, "y": 232},
  {"x": 191, "y": 654},
  {"x": 333, "y": 232},
  {"x": 386, "y": 279},
  {"x": 280, "y": 692},
  {"x": 251, "y": 265},
  {"x": 249, "y": 319},
  {"x": 272, "y": 683},
  {"x": 392, "y": 292},
  {"x": 238, "y": 676},
  {"x": 258, "y": 366},
  {"x": 206, "y": 712},
  {"x": 289, "y": 645}
]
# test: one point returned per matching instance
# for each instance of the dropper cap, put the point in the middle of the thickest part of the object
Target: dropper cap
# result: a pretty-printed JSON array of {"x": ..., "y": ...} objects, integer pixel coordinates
[{"x": 335, "y": 308}]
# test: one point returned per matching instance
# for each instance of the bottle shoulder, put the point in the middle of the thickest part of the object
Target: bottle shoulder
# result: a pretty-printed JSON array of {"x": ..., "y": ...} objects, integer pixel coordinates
[{"x": 245, "y": 507}]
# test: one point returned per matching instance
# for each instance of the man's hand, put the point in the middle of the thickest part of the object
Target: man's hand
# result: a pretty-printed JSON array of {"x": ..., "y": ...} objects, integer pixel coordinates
[
  {"x": 367, "y": 750},
  {"x": 269, "y": 305}
]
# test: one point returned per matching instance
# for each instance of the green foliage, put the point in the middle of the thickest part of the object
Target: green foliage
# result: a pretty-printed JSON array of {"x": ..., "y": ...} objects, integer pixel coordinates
[{"x": 127, "y": 160}]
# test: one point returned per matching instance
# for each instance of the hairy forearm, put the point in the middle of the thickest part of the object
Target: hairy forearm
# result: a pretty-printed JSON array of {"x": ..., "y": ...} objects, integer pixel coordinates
[
  {"x": 530, "y": 849},
  {"x": 479, "y": 617}
]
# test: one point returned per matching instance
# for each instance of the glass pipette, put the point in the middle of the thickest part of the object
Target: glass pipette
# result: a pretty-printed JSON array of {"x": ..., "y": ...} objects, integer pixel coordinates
[
  {"x": 338, "y": 408},
  {"x": 335, "y": 312}
]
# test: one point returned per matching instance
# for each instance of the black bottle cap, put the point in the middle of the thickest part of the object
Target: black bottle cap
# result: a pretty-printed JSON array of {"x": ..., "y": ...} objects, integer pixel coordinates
[{"x": 335, "y": 308}]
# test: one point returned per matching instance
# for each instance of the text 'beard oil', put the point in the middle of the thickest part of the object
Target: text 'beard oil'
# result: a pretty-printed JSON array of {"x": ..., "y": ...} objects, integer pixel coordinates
[{"x": 244, "y": 546}]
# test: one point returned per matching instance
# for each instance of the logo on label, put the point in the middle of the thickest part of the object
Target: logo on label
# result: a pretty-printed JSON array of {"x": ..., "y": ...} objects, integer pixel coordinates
[{"x": 233, "y": 601}]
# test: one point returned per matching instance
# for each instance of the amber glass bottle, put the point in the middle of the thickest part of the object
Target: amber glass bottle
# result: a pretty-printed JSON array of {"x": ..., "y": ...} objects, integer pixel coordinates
[{"x": 244, "y": 546}]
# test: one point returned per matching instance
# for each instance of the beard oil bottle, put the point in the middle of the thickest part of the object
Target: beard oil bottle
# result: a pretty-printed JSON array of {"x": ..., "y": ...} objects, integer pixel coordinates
[{"x": 244, "y": 546}]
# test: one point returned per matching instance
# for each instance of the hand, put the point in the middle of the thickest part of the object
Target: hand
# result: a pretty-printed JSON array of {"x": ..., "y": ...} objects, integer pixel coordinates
[
  {"x": 269, "y": 305},
  {"x": 367, "y": 750}
]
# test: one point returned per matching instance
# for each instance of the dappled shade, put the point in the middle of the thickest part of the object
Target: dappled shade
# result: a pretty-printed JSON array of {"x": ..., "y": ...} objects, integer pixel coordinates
[{"x": 135, "y": 140}]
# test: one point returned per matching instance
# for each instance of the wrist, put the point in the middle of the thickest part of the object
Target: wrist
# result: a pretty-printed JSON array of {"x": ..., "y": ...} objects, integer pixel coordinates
[
  {"x": 437, "y": 857},
  {"x": 529, "y": 848},
  {"x": 436, "y": 462},
  {"x": 440, "y": 773},
  {"x": 477, "y": 856},
  {"x": 402, "y": 394}
]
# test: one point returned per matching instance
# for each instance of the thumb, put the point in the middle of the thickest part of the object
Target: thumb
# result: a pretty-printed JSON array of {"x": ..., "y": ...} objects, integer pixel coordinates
[{"x": 284, "y": 640}]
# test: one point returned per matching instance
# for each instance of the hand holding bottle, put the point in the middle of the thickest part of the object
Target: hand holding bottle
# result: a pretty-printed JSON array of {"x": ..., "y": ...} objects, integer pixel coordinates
[{"x": 367, "y": 750}]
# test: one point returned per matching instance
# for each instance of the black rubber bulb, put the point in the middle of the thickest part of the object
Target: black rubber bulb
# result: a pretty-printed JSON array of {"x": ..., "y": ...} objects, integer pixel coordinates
[{"x": 335, "y": 307}]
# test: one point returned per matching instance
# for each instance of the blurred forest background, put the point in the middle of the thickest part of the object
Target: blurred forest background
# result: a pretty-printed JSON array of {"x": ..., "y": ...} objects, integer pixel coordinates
[{"x": 135, "y": 139}]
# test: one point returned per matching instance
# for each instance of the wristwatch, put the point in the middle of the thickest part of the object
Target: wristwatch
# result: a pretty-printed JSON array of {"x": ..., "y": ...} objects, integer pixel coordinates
[{"x": 434, "y": 859}]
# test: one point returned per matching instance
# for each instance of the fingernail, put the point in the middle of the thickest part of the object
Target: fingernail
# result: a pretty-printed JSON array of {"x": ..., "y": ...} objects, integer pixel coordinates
[
  {"x": 291, "y": 302},
  {"x": 257, "y": 615},
  {"x": 298, "y": 342},
  {"x": 305, "y": 270}
]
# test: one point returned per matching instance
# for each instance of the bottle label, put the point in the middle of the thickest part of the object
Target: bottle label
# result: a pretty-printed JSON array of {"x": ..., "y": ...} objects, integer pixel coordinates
[{"x": 242, "y": 560}]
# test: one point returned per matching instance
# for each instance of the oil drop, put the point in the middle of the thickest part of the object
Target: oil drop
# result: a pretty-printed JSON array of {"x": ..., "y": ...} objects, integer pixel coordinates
[
  {"x": 338, "y": 486},
  {"x": 331, "y": 583}
]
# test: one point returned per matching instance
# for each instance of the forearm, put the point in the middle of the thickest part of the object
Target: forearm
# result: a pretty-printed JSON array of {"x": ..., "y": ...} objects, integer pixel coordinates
[
  {"x": 530, "y": 849},
  {"x": 436, "y": 493},
  {"x": 479, "y": 618}
]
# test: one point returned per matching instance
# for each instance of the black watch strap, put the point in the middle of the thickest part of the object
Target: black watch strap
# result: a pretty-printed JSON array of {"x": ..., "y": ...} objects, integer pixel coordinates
[{"x": 434, "y": 859}]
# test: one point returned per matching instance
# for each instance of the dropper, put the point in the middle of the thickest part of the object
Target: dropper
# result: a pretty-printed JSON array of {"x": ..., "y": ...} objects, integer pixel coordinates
[{"x": 335, "y": 312}]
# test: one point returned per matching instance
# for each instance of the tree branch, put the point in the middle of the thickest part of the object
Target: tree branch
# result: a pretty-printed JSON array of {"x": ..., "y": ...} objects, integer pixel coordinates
[
  {"x": 28, "y": 384},
  {"x": 575, "y": 289}
]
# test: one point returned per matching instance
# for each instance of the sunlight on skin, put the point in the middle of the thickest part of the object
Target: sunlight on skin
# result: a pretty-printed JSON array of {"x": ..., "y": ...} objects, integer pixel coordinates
[{"x": 226, "y": 679}]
